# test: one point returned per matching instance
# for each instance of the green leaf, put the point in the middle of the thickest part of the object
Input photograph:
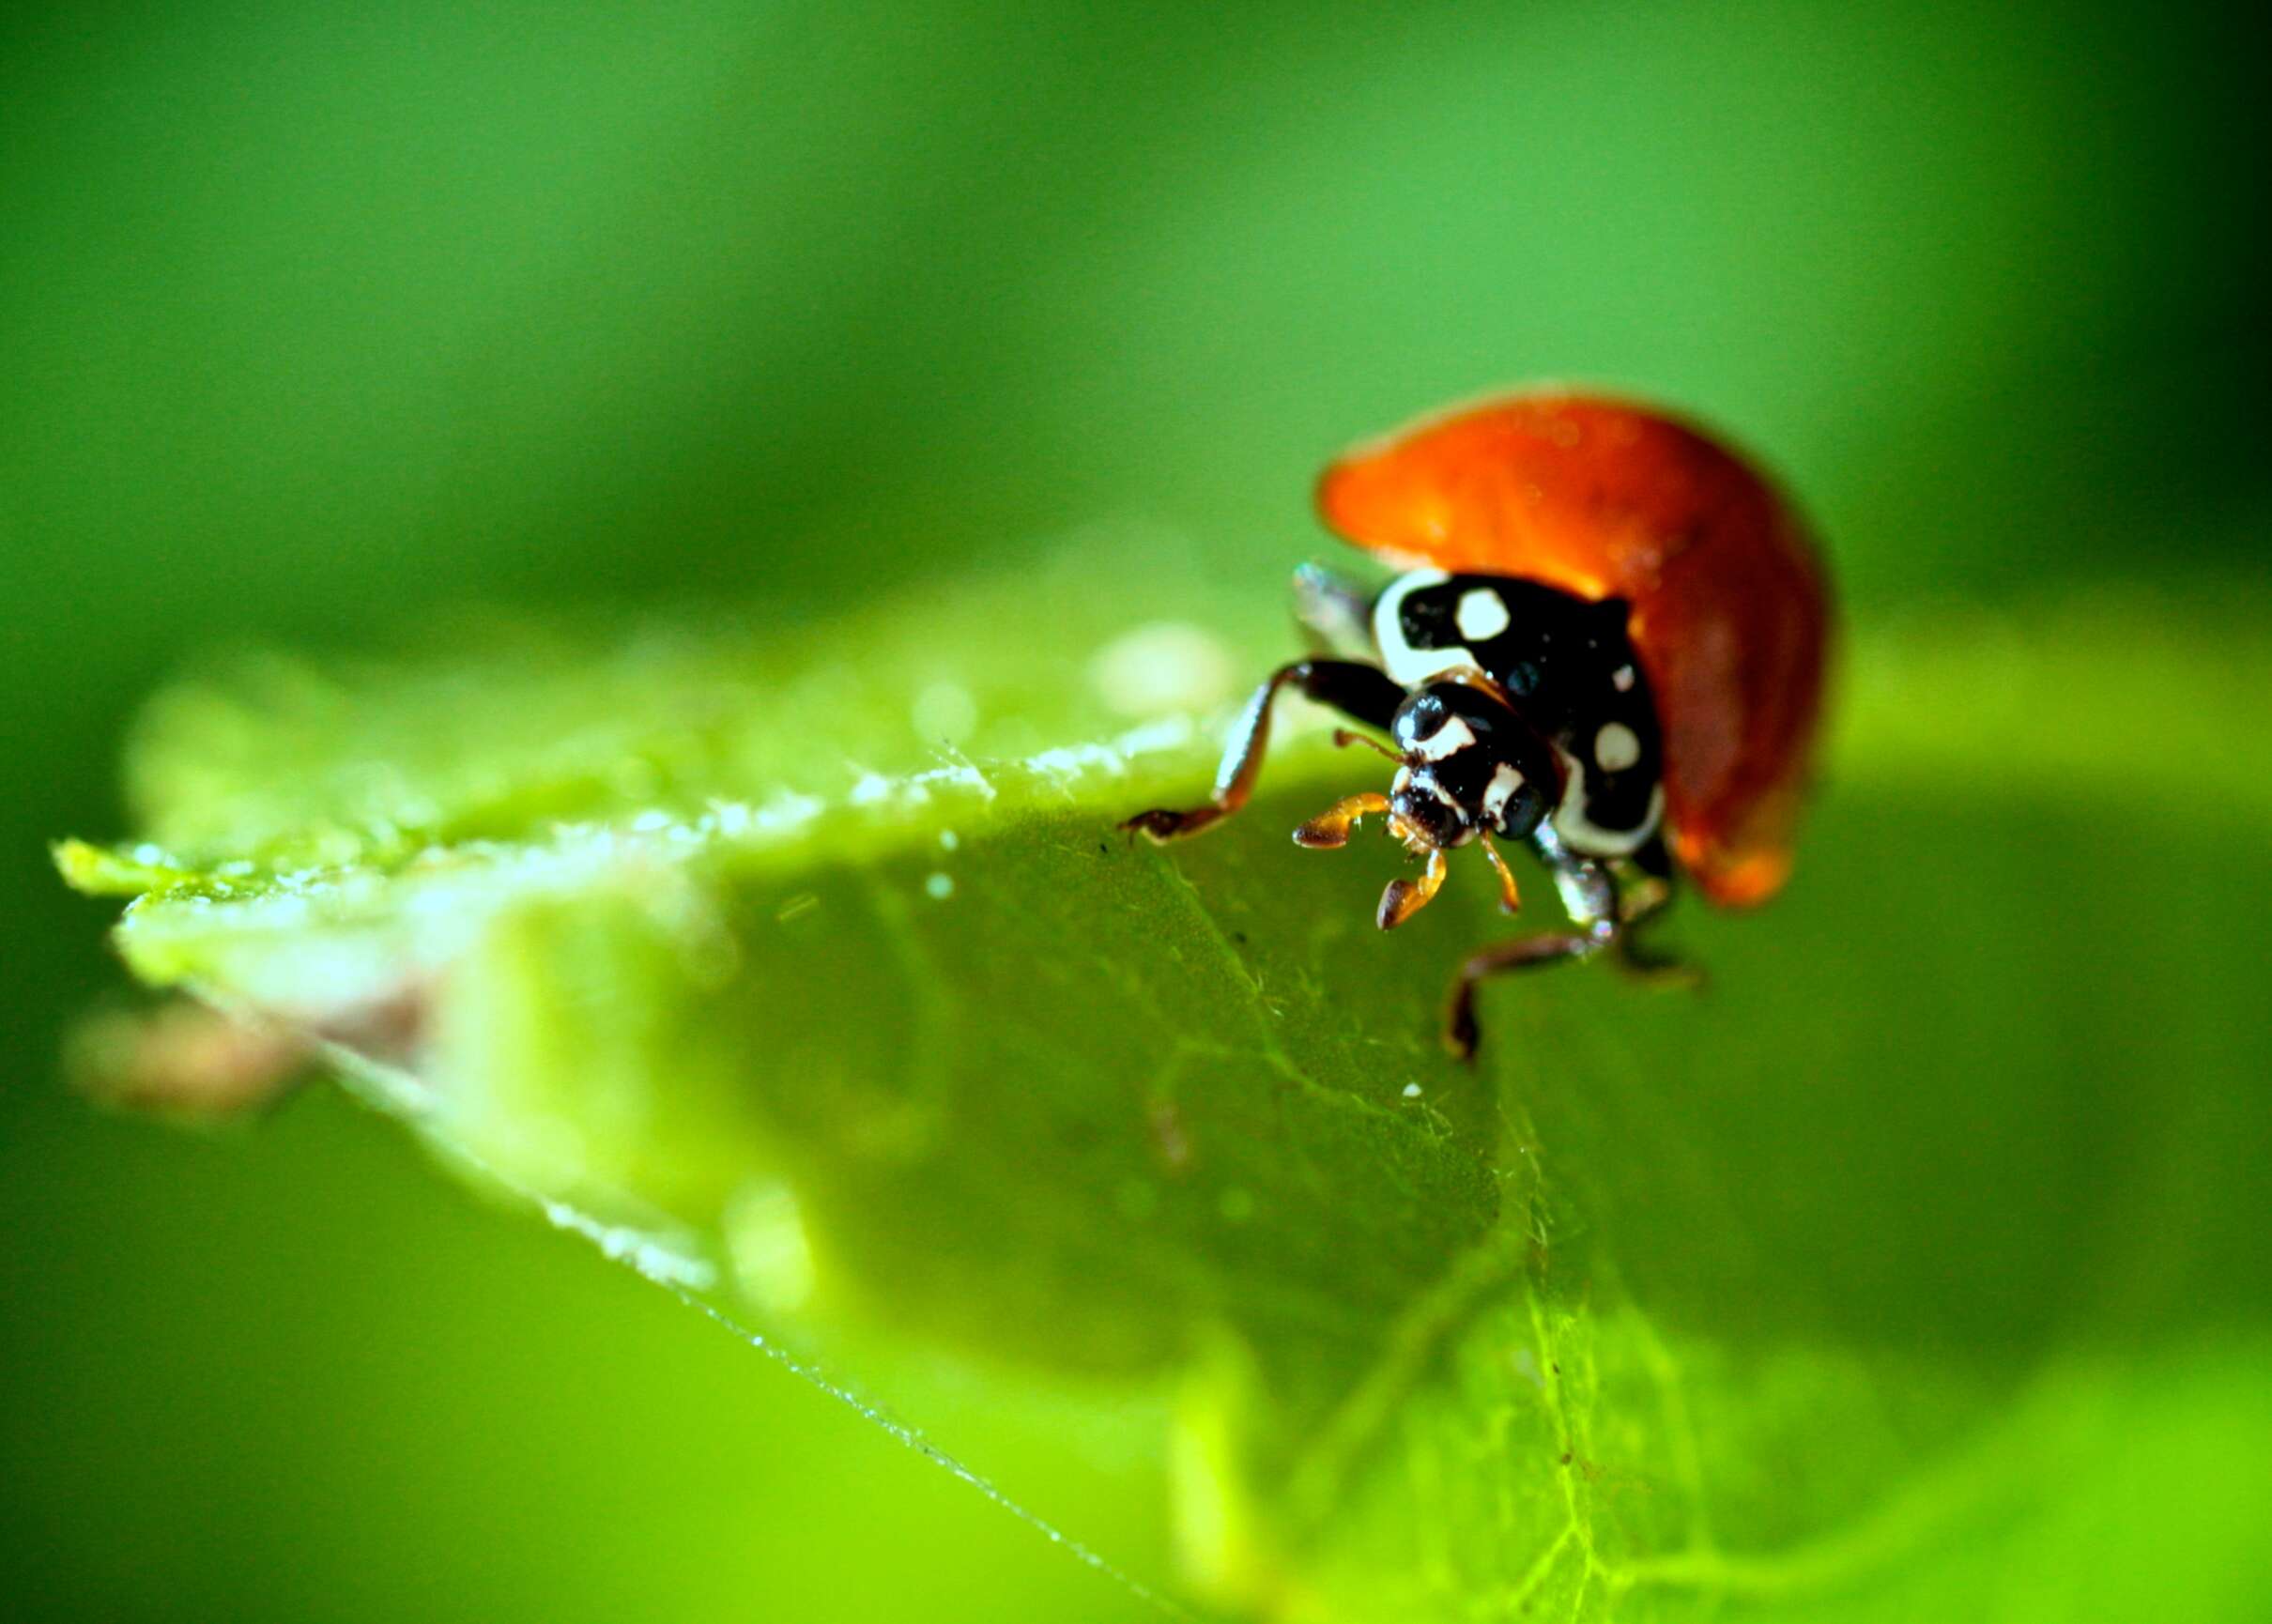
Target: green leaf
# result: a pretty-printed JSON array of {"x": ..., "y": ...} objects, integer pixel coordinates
[{"x": 1913, "y": 1271}]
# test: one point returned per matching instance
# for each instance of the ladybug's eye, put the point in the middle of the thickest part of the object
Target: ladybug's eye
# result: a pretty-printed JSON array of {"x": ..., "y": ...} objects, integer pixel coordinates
[
  {"x": 1419, "y": 723},
  {"x": 1512, "y": 805}
]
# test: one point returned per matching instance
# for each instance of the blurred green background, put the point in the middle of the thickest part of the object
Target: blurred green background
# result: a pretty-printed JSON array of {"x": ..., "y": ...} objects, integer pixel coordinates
[{"x": 313, "y": 318}]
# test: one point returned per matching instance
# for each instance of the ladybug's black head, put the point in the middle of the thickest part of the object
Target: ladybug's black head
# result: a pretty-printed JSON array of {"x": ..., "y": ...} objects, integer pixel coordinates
[{"x": 1468, "y": 766}]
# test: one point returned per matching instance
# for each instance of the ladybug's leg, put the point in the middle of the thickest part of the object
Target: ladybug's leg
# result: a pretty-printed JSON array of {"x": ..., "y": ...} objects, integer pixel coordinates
[
  {"x": 1329, "y": 830},
  {"x": 1523, "y": 953},
  {"x": 1335, "y": 610},
  {"x": 1589, "y": 893},
  {"x": 1362, "y": 693},
  {"x": 1406, "y": 898},
  {"x": 1643, "y": 903},
  {"x": 1656, "y": 968}
]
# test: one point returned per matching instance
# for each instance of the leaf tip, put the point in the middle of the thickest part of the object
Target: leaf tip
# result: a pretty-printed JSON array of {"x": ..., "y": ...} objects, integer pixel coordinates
[{"x": 103, "y": 871}]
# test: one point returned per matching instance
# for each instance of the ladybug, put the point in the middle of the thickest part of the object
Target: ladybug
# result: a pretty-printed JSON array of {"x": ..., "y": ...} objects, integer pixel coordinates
[{"x": 1607, "y": 643}]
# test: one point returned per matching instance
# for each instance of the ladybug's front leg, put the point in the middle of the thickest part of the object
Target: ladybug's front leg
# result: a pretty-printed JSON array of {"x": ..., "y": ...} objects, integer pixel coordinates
[{"x": 1362, "y": 693}]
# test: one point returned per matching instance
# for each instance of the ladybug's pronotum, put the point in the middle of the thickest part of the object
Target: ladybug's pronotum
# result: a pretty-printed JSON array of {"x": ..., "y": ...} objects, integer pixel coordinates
[{"x": 1609, "y": 643}]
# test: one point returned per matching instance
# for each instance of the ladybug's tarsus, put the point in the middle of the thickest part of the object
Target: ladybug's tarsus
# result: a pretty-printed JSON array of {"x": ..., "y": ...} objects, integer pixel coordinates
[
  {"x": 1406, "y": 898},
  {"x": 1329, "y": 830},
  {"x": 1162, "y": 824}
]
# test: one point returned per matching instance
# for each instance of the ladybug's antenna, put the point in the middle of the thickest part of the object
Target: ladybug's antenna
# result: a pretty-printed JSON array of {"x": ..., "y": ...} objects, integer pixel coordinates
[{"x": 1342, "y": 737}]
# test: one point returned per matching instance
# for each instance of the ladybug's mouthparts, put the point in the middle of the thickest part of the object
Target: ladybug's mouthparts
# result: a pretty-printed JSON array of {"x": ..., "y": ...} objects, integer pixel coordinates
[{"x": 1417, "y": 840}]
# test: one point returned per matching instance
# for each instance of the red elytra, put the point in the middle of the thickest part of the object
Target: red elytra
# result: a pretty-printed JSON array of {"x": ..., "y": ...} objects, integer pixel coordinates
[{"x": 1606, "y": 498}]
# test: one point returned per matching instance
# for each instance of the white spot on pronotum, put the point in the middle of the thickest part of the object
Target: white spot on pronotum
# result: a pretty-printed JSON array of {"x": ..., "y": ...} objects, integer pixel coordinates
[
  {"x": 1407, "y": 664},
  {"x": 938, "y": 887},
  {"x": 1482, "y": 614},
  {"x": 1622, "y": 679},
  {"x": 1501, "y": 789},
  {"x": 1454, "y": 735},
  {"x": 1615, "y": 747},
  {"x": 948, "y": 840},
  {"x": 1573, "y": 827},
  {"x": 1161, "y": 667},
  {"x": 1412, "y": 1091}
]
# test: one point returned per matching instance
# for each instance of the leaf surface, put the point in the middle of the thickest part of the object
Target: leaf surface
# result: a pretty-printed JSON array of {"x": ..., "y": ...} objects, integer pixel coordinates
[{"x": 1912, "y": 1271}]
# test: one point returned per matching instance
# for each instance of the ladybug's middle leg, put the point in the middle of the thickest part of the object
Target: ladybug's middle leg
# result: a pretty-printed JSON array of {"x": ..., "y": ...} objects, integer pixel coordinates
[
  {"x": 1362, "y": 693},
  {"x": 1460, "y": 1035},
  {"x": 1608, "y": 918},
  {"x": 1589, "y": 894}
]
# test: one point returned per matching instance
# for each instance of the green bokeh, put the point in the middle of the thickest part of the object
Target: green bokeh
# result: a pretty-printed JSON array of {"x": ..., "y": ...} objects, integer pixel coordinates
[{"x": 313, "y": 321}]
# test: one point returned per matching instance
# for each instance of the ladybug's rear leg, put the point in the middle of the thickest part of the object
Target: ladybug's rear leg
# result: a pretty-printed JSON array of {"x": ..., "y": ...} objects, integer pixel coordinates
[
  {"x": 1336, "y": 611},
  {"x": 1362, "y": 693},
  {"x": 1642, "y": 903}
]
